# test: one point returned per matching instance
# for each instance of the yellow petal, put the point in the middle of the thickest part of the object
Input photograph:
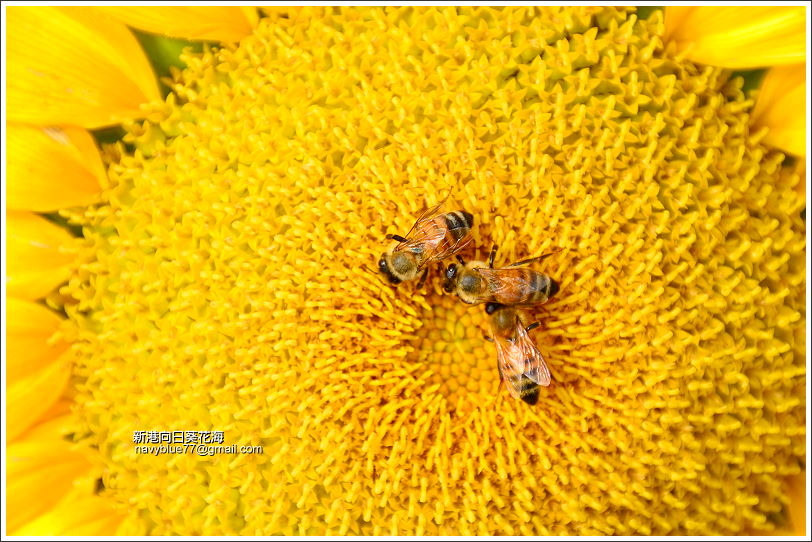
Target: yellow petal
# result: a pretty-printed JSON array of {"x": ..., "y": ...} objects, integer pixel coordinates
[
  {"x": 75, "y": 515},
  {"x": 32, "y": 344},
  {"x": 781, "y": 107},
  {"x": 796, "y": 489},
  {"x": 57, "y": 420},
  {"x": 30, "y": 397},
  {"x": 218, "y": 23},
  {"x": 74, "y": 65},
  {"x": 52, "y": 168},
  {"x": 73, "y": 507},
  {"x": 738, "y": 37},
  {"x": 41, "y": 472},
  {"x": 37, "y": 259},
  {"x": 37, "y": 368}
]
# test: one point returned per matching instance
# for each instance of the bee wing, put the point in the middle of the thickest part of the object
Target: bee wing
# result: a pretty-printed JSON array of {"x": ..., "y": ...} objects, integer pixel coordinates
[
  {"x": 510, "y": 364},
  {"x": 430, "y": 240},
  {"x": 503, "y": 283},
  {"x": 535, "y": 368},
  {"x": 445, "y": 248},
  {"x": 426, "y": 216},
  {"x": 422, "y": 235}
]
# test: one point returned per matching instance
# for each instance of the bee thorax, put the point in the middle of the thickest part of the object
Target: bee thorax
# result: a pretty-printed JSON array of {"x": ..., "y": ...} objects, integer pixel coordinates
[
  {"x": 470, "y": 283},
  {"x": 402, "y": 263},
  {"x": 504, "y": 322}
]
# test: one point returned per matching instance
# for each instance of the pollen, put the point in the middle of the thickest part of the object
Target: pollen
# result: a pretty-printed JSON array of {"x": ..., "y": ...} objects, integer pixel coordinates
[
  {"x": 229, "y": 283},
  {"x": 450, "y": 343}
]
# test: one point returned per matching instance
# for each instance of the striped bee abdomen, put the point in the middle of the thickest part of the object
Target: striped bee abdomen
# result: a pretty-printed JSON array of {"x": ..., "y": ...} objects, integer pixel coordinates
[
  {"x": 528, "y": 390},
  {"x": 542, "y": 287},
  {"x": 459, "y": 223}
]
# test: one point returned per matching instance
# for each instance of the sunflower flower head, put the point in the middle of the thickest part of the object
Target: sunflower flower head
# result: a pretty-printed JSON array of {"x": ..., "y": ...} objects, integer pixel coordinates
[{"x": 226, "y": 284}]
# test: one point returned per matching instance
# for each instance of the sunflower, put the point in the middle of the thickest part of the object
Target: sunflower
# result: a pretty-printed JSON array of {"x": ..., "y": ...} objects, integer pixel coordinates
[
  {"x": 756, "y": 37},
  {"x": 212, "y": 269}
]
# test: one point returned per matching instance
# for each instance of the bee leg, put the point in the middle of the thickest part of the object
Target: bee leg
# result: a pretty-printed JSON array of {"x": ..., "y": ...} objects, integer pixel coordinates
[
  {"x": 423, "y": 279},
  {"x": 498, "y": 389},
  {"x": 487, "y": 338},
  {"x": 459, "y": 259},
  {"x": 536, "y": 259},
  {"x": 532, "y": 326},
  {"x": 492, "y": 256},
  {"x": 397, "y": 238}
]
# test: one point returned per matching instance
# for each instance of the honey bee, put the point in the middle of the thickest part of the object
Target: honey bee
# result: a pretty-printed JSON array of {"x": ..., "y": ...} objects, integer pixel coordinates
[
  {"x": 433, "y": 238},
  {"x": 521, "y": 366},
  {"x": 473, "y": 282}
]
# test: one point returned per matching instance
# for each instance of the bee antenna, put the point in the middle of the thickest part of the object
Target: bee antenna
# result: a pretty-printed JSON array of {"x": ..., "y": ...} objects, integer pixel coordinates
[{"x": 536, "y": 258}]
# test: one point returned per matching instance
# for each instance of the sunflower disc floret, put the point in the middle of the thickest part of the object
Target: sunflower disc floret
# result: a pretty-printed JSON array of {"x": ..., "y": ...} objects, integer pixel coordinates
[{"x": 224, "y": 286}]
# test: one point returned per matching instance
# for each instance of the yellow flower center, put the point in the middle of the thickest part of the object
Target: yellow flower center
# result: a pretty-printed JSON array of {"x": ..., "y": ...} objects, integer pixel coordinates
[
  {"x": 229, "y": 285},
  {"x": 450, "y": 343}
]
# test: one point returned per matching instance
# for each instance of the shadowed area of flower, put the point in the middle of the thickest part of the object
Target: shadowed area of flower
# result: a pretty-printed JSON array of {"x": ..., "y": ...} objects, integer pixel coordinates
[{"x": 227, "y": 284}]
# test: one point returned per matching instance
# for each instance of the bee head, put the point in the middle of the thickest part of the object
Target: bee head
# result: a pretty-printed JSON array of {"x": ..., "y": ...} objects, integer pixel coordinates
[
  {"x": 450, "y": 275},
  {"x": 383, "y": 267}
]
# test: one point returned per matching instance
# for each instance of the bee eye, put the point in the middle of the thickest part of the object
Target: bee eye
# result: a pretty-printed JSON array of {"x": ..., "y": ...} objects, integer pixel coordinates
[
  {"x": 490, "y": 308},
  {"x": 451, "y": 272},
  {"x": 384, "y": 268}
]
